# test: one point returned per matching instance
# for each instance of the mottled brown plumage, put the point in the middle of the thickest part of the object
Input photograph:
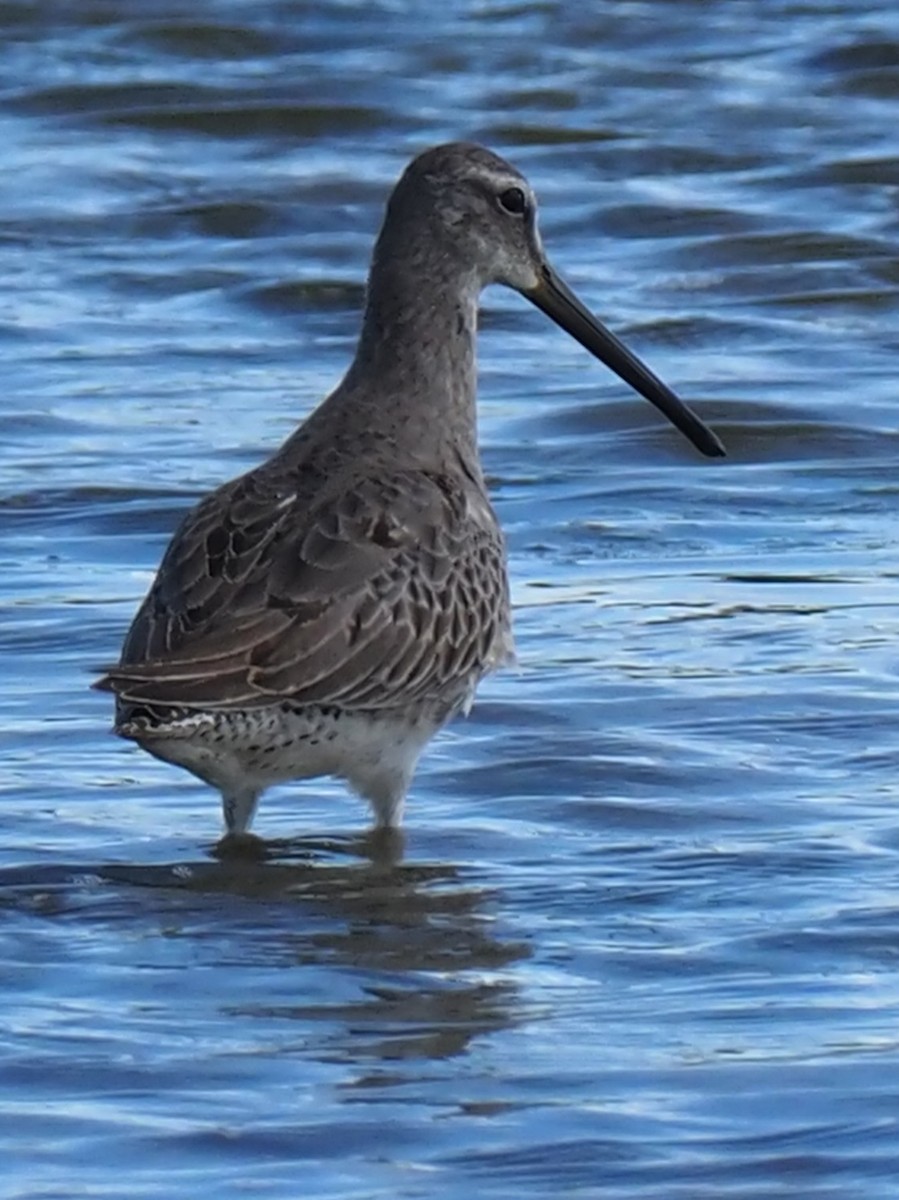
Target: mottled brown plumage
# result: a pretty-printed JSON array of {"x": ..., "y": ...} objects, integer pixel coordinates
[{"x": 329, "y": 611}]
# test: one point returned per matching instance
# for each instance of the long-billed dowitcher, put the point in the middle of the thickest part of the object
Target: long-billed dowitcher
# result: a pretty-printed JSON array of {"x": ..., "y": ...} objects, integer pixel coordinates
[{"x": 329, "y": 611}]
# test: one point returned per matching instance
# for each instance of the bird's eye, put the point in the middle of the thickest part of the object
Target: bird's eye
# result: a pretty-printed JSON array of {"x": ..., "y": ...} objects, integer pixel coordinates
[{"x": 513, "y": 200}]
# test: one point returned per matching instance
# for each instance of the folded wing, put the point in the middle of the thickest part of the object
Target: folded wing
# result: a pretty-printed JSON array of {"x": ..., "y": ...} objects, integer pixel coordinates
[{"x": 391, "y": 591}]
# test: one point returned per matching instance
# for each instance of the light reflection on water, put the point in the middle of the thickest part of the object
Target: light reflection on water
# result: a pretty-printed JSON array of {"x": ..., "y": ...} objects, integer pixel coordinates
[{"x": 642, "y": 941}]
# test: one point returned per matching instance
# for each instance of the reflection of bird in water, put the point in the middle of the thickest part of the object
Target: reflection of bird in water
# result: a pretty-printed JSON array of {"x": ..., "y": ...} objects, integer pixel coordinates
[
  {"x": 421, "y": 971},
  {"x": 329, "y": 611}
]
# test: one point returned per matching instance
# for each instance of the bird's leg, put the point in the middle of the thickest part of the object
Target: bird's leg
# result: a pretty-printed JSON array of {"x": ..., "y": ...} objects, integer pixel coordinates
[
  {"x": 238, "y": 808},
  {"x": 384, "y": 846},
  {"x": 388, "y": 800}
]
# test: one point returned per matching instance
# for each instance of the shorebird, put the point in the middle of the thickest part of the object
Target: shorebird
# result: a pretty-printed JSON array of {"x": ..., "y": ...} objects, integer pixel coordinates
[{"x": 329, "y": 611}]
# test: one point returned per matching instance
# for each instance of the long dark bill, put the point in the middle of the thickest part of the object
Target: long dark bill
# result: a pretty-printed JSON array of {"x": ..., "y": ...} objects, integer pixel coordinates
[{"x": 559, "y": 302}]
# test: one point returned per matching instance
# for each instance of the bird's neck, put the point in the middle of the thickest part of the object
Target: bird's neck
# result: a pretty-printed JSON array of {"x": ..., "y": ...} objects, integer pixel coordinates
[{"x": 414, "y": 377}]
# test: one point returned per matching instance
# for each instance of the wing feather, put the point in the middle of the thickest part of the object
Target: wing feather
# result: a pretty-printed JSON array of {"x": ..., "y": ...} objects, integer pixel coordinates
[{"x": 389, "y": 590}]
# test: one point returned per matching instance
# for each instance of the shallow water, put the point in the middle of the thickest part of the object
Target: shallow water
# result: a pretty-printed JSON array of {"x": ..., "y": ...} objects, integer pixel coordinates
[{"x": 644, "y": 940}]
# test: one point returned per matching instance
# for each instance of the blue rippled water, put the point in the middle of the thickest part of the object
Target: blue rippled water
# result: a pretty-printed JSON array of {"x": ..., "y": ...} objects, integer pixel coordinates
[{"x": 644, "y": 941}]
